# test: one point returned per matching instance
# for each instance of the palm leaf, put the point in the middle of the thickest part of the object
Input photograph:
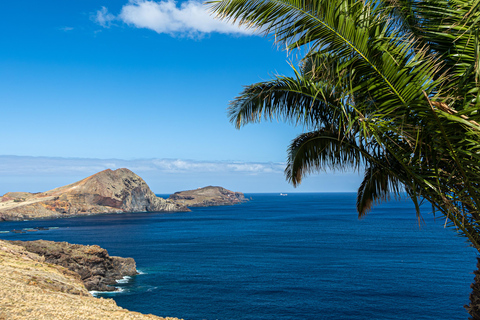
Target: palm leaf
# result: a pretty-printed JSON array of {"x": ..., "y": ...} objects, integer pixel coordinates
[{"x": 378, "y": 184}]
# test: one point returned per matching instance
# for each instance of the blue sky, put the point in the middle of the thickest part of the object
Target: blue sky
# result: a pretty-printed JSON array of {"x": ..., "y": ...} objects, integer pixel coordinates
[{"x": 86, "y": 81}]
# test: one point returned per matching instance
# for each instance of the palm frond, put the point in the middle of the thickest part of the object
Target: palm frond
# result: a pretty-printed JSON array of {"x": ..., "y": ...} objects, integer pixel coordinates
[
  {"x": 320, "y": 150},
  {"x": 294, "y": 99},
  {"x": 379, "y": 184}
]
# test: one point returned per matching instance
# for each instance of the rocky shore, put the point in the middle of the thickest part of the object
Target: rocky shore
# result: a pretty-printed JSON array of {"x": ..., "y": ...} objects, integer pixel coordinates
[
  {"x": 96, "y": 268},
  {"x": 208, "y": 196},
  {"x": 32, "y": 288}
]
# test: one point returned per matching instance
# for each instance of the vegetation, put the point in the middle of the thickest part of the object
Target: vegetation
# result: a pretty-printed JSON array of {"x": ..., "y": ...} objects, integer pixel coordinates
[{"x": 390, "y": 87}]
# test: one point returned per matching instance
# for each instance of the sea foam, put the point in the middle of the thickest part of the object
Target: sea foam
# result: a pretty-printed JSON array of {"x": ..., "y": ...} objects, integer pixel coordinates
[
  {"x": 125, "y": 279},
  {"x": 103, "y": 293}
]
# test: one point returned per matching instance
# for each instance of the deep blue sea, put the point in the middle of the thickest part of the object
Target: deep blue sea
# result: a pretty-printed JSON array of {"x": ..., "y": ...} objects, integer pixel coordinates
[{"x": 303, "y": 256}]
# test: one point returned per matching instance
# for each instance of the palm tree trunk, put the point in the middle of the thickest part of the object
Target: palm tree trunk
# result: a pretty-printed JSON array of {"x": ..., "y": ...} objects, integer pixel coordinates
[{"x": 474, "y": 307}]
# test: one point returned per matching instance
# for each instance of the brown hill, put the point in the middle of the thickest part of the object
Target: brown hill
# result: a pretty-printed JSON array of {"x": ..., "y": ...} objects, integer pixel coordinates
[
  {"x": 34, "y": 289},
  {"x": 104, "y": 192},
  {"x": 208, "y": 196}
]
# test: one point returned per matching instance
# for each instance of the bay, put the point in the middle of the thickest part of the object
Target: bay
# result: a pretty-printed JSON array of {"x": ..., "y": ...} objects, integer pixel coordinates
[{"x": 301, "y": 256}]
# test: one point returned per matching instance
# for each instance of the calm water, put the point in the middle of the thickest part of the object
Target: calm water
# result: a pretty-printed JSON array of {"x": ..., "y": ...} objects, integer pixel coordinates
[{"x": 304, "y": 256}]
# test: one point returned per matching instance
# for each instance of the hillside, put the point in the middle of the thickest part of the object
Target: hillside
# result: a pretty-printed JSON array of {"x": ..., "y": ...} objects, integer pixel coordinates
[{"x": 105, "y": 192}]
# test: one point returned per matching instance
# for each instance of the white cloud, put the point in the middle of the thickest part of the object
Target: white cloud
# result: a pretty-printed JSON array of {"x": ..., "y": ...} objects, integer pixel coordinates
[
  {"x": 189, "y": 18},
  {"x": 174, "y": 166},
  {"x": 256, "y": 167},
  {"x": 104, "y": 18}
]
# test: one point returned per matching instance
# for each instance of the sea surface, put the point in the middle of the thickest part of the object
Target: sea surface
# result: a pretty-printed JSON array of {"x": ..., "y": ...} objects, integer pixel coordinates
[{"x": 301, "y": 256}]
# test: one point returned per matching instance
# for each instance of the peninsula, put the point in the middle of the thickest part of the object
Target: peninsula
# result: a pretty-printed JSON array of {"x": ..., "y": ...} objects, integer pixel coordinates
[{"x": 105, "y": 192}]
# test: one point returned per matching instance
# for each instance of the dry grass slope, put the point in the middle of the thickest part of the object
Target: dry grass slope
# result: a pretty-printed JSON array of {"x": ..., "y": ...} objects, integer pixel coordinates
[{"x": 33, "y": 289}]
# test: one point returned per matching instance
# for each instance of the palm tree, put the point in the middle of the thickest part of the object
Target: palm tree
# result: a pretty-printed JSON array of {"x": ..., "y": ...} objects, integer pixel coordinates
[{"x": 388, "y": 86}]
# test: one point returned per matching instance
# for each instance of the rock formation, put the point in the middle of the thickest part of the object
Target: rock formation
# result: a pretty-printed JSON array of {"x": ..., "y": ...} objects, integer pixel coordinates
[
  {"x": 34, "y": 289},
  {"x": 96, "y": 268},
  {"x": 208, "y": 196},
  {"x": 104, "y": 192}
]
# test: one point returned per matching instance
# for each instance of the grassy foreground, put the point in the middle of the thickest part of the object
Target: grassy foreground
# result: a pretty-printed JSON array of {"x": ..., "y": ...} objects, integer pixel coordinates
[{"x": 33, "y": 289}]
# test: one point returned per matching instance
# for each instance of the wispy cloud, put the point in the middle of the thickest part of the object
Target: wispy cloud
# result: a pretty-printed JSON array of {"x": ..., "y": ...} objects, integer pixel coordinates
[
  {"x": 66, "y": 29},
  {"x": 103, "y": 17},
  {"x": 28, "y": 165},
  {"x": 190, "y": 18}
]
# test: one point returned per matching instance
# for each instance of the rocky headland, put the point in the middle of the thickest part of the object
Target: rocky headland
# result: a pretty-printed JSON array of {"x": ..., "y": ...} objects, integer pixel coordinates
[
  {"x": 96, "y": 268},
  {"x": 32, "y": 288},
  {"x": 105, "y": 192},
  {"x": 208, "y": 196}
]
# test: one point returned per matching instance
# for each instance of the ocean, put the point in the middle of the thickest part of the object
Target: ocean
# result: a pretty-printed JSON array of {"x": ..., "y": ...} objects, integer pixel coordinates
[{"x": 301, "y": 256}]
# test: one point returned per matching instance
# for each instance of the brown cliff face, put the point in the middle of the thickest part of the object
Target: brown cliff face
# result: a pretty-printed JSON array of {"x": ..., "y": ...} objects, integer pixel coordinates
[
  {"x": 96, "y": 268},
  {"x": 208, "y": 196},
  {"x": 105, "y": 192}
]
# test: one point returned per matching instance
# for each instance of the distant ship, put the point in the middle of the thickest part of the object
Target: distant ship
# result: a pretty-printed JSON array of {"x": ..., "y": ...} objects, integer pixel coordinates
[{"x": 283, "y": 194}]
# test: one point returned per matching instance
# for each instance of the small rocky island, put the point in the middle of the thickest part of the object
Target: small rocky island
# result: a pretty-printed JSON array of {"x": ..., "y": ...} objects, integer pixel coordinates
[
  {"x": 208, "y": 196},
  {"x": 105, "y": 192}
]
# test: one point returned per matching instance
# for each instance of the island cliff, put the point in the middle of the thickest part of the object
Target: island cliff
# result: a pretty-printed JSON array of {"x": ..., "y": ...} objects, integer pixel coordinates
[
  {"x": 105, "y": 192},
  {"x": 208, "y": 196}
]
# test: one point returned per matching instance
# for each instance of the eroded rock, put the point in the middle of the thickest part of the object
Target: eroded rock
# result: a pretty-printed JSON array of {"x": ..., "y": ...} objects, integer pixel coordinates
[{"x": 96, "y": 268}]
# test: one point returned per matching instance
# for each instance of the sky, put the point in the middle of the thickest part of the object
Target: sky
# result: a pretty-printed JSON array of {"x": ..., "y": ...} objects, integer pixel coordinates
[{"x": 90, "y": 85}]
